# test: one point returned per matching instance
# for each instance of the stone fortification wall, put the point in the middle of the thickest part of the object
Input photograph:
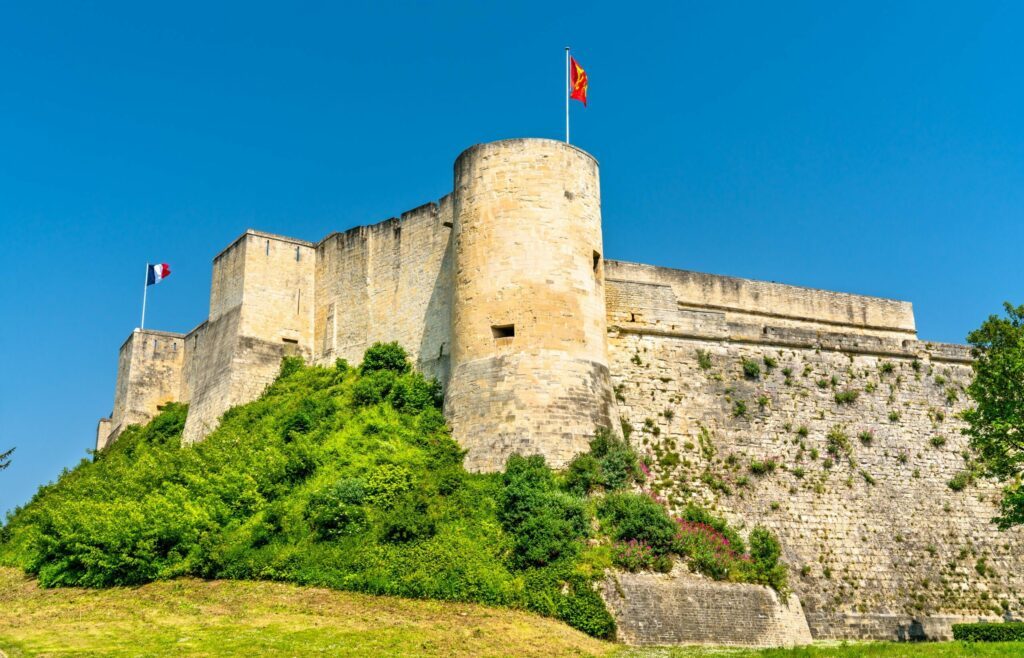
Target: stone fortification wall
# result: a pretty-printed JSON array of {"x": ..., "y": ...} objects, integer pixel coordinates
[
  {"x": 679, "y": 608},
  {"x": 844, "y": 442},
  {"x": 767, "y": 302},
  {"x": 388, "y": 282},
  {"x": 149, "y": 375},
  {"x": 529, "y": 369},
  {"x": 261, "y": 309}
]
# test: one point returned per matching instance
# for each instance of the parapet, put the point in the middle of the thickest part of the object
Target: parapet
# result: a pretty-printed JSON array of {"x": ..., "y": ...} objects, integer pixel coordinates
[{"x": 758, "y": 302}]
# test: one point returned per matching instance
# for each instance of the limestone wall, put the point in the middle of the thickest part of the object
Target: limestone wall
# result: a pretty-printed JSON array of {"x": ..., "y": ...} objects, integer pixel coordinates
[
  {"x": 529, "y": 369},
  {"x": 861, "y": 433},
  {"x": 772, "y": 303},
  {"x": 387, "y": 282},
  {"x": 261, "y": 309},
  {"x": 149, "y": 374},
  {"x": 680, "y": 608}
]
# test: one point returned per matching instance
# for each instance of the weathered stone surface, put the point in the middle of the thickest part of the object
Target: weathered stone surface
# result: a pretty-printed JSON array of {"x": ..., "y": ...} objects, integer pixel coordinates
[
  {"x": 680, "y": 608},
  {"x": 877, "y": 542}
]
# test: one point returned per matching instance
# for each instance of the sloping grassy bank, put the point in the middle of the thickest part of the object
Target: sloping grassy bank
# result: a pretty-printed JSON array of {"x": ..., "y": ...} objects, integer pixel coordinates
[{"x": 348, "y": 478}]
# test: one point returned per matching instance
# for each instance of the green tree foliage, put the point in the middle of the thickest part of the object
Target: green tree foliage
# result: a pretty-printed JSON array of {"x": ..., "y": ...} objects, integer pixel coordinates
[
  {"x": 995, "y": 424},
  {"x": 5, "y": 459}
]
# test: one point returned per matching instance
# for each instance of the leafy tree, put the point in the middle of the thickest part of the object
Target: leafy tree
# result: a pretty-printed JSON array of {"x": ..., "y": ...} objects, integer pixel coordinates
[
  {"x": 995, "y": 424},
  {"x": 5, "y": 459}
]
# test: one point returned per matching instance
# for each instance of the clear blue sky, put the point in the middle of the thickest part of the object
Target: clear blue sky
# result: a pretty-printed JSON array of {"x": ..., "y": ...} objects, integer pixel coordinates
[{"x": 874, "y": 148}]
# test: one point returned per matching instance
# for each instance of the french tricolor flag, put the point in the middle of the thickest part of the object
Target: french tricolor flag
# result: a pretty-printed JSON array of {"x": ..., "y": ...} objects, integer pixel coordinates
[{"x": 157, "y": 273}]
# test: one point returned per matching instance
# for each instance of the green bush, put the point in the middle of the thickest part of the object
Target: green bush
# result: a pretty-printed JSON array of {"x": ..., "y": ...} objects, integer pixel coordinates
[
  {"x": 609, "y": 465},
  {"x": 385, "y": 356},
  {"x": 408, "y": 520},
  {"x": 337, "y": 510},
  {"x": 583, "y": 608},
  {"x": 848, "y": 396},
  {"x": 545, "y": 523},
  {"x": 751, "y": 368},
  {"x": 989, "y": 632},
  {"x": 765, "y": 552},
  {"x": 630, "y": 516},
  {"x": 335, "y": 477}
]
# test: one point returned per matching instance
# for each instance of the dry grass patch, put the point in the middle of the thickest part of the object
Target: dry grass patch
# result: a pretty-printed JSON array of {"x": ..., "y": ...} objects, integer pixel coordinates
[{"x": 223, "y": 618}]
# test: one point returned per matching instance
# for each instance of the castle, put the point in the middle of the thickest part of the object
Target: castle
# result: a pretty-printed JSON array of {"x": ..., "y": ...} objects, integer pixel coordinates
[{"x": 501, "y": 290}]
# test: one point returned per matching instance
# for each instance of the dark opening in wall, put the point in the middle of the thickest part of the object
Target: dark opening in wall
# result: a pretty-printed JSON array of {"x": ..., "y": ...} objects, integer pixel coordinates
[
  {"x": 597, "y": 260},
  {"x": 503, "y": 330},
  {"x": 293, "y": 341}
]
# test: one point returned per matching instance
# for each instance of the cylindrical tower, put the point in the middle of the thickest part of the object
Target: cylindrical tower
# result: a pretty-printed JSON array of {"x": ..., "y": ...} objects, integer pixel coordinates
[{"x": 529, "y": 364}]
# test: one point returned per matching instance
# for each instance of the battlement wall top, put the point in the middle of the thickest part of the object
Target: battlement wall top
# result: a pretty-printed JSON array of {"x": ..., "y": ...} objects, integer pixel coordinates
[
  {"x": 263, "y": 234},
  {"x": 782, "y": 302},
  {"x": 152, "y": 332},
  {"x": 525, "y": 143}
]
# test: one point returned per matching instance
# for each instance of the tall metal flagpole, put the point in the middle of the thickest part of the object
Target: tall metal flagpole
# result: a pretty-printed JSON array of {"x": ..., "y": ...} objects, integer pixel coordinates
[
  {"x": 145, "y": 287},
  {"x": 567, "y": 92}
]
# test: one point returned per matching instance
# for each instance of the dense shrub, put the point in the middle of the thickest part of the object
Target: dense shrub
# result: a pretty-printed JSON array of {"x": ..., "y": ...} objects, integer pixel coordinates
[
  {"x": 545, "y": 523},
  {"x": 338, "y": 510},
  {"x": 609, "y": 465},
  {"x": 385, "y": 356},
  {"x": 582, "y": 607},
  {"x": 989, "y": 632},
  {"x": 635, "y": 556},
  {"x": 631, "y": 516}
]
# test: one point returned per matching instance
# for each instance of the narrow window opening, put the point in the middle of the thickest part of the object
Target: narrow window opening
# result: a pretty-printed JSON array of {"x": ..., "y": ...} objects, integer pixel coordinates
[
  {"x": 290, "y": 341},
  {"x": 296, "y": 254},
  {"x": 268, "y": 247},
  {"x": 597, "y": 260},
  {"x": 503, "y": 330}
]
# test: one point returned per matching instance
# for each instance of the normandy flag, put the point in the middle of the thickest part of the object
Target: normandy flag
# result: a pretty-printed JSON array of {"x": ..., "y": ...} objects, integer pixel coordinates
[
  {"x": 157, "y": 273},
  {"x": 577, "y": 81},
  {"x": 576, "y": 86}
]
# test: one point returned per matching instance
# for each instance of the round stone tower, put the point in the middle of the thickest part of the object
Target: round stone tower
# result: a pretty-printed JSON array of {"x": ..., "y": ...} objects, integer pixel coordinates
[{"x": 529, "y": 364}]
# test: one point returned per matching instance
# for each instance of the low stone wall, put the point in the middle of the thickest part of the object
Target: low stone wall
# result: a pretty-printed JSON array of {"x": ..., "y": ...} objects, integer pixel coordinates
[
  {"x": 892, "y": 627},
  {"x": 680, "y": 608}
]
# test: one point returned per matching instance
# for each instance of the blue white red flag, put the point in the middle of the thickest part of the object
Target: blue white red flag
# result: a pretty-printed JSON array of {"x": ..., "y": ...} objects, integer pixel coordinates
[{"x": 158, "y": 273}]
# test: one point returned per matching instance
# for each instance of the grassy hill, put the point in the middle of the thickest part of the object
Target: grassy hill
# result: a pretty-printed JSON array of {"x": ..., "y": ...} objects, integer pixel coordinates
[{"x": 194, "y": 617}]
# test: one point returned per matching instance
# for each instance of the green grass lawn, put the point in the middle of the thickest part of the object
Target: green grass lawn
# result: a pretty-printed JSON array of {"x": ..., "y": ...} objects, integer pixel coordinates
[{"x": 229, "y": 618}]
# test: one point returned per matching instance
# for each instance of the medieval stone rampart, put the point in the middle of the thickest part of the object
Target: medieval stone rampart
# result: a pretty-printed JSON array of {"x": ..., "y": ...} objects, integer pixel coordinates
[{"x": 845, "y": 441}]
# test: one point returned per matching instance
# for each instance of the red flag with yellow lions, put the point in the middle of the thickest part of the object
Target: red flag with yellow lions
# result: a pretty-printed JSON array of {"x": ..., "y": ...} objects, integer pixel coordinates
[{"x": 577, "y": 81}]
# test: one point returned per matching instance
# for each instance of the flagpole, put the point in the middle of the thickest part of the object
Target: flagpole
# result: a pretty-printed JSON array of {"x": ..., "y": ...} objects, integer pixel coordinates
[
  {"x": 145, "y": 287},
  {"x": 567, "y": 94}
]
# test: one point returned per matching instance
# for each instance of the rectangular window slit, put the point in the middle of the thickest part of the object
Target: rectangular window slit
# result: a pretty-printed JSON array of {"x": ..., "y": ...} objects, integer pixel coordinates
[
  {"x": 597, "y": 260},
  {"x": 291, "y": 341},
  {"x": 503, "y": 330}
]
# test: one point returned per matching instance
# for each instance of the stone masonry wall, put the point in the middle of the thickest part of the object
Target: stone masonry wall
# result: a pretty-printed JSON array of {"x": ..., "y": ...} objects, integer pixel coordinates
[
  {"x": 149, "y": 374},
  {"x": 680, "y": 608},
  {"x": 388, "y": 282},
  {"x": 845, "y": 443},
  {"x": 261, "y": 309},
  {"x": 529, "y": 371}
]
